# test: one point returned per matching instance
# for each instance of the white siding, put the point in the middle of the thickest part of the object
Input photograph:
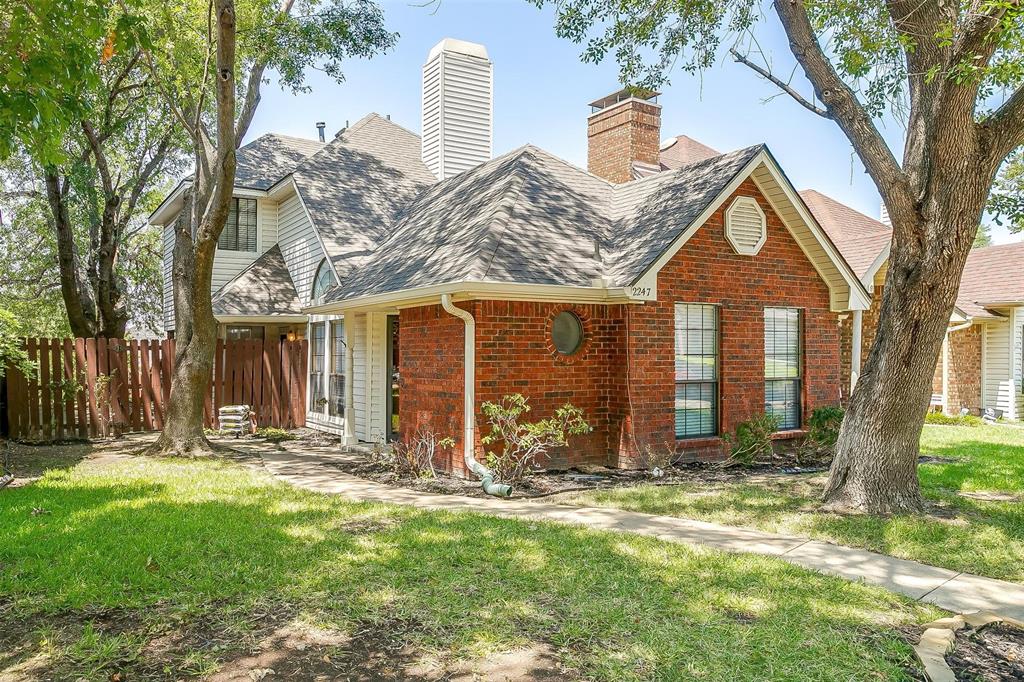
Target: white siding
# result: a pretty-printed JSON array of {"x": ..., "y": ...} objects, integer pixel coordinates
[
  {"x": 1017, "y": 361},
  {"x": 359, "y": 371},
  {"x": 998, "y": 381},
  {"x": 299, "y": 245},
  {"x": 168, "y": 264},
  {"x": 227, "y": 264},
  {"x": 456, "y": 108},
  {"x": 378, "y": 370}
]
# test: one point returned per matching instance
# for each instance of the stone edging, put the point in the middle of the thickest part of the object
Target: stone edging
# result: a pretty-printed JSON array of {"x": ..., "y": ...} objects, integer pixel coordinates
[{"x": 939, "y": 637}]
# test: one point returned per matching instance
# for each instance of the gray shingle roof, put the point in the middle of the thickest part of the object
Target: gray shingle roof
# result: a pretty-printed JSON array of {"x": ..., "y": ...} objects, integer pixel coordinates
[
  {"x": 651, "y": 213},
  {"x": 355, "y": 187},
  {"x": 528, "y": 217},
  {"x": 268, "y": 158},
  {"x": 264, "y": 288}
]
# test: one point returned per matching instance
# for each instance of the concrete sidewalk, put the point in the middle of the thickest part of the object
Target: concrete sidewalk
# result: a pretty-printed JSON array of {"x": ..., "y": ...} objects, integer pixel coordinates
[{"x": 956, "y": 592}]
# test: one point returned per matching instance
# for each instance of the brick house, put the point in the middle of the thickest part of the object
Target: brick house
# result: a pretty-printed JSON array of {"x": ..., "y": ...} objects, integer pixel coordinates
[
  {"x": 980, "y": 365},
  {"x": 670, "y": 293}
]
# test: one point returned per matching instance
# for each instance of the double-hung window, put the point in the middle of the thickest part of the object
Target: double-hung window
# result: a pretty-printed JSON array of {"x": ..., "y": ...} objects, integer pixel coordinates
[
  {"x": 336, "y": 406},
  {"x": 240, "y": 229},
  {"x": 696, "y": 346},
  {"x": 782, "y": 366},
  {"x": 318, "y": 350}
]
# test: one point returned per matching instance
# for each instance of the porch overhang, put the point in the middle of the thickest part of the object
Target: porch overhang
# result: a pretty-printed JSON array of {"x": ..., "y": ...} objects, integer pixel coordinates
[
  {"x": 261, "y": 319},
  {"x": 470, "y": 290}
]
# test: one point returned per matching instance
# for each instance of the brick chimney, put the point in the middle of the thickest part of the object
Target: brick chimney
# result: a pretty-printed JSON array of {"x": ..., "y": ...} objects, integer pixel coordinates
[{"x": 624, "y": 135}]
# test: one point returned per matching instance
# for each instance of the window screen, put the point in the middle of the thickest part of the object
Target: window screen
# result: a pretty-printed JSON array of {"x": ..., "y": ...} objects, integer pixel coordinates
[
  {"x": 696, "y": 341},
  {"x": 336, "y": 405},
  {"x": 782, "y": 367},
  {"x": 240, "y": 229},
  {"x": 316, "y": 368}
]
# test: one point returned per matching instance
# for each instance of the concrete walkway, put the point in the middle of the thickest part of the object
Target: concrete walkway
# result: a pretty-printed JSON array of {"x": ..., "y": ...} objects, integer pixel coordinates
[{"x": 956, "y": 592}]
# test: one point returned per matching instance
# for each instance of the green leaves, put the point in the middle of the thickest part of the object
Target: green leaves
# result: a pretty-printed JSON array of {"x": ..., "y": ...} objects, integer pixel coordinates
[
  {"x": 1006, "y": 203},
  {"x": 49, "y": 59}
]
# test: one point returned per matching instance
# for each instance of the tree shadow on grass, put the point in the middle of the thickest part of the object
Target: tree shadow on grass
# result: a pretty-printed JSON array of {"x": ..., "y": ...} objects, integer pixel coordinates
[{"x": 228, "y": 546}]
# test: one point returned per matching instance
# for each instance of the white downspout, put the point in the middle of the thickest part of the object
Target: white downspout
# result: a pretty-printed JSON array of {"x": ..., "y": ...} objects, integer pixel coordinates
[
  {"x": 855, "y": 344},
  {"x": 349, "y": 437},
  {"x": 469, "y": 401}
]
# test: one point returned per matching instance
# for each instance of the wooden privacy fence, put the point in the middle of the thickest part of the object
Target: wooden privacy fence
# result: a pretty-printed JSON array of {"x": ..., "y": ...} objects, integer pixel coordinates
[{"x": 86, "y": 388}]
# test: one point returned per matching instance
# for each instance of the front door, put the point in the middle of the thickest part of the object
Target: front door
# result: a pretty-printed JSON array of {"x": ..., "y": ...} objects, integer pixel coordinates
[{"x": 392, "y": 379}]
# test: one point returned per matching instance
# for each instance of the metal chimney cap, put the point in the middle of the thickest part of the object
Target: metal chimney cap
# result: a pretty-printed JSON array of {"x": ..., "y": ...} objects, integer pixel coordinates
[{"x": 460, "y": 46}]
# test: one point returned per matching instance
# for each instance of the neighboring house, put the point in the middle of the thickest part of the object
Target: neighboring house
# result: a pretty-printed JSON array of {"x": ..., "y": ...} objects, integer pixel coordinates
[
  {"x": 669, "y": 308},
  {"x": 980, "y": 365}
]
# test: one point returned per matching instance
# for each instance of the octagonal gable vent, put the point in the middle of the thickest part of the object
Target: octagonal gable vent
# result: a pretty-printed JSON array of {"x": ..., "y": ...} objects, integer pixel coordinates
[{"x": 745, "y": 226}]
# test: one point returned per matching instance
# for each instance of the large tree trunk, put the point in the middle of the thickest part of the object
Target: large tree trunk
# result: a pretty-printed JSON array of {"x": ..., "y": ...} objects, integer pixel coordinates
[
  {"x": 195, "y": 343},
  {"x": 194, "y": 249},
  {"x": 78, "y": 301},
  {"x": 875, "y": 466}
]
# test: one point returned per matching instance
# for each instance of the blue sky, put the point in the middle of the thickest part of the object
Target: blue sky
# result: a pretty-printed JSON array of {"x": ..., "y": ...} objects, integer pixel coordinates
[{"x": 541, "y": 91}]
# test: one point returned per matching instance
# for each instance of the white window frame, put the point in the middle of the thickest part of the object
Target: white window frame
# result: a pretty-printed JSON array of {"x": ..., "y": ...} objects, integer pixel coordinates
[{"x": 714, "y": 382}]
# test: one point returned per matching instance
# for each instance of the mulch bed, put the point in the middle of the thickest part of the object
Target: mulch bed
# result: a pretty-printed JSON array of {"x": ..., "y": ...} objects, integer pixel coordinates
[
  {"x": 547, "y": 482},
  {"x": 992, "y": 654}
]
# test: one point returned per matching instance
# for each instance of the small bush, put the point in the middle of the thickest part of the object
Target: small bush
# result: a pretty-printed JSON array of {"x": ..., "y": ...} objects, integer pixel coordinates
[
  {"x": 274, "y": 435},
  {"x": 414, "y": 458},
  {"x": 956, "y": 420},
  {"x": 752, "y": 442},
  {"x": 520, "y": 444},
  {"x": 823, "y": 425}
]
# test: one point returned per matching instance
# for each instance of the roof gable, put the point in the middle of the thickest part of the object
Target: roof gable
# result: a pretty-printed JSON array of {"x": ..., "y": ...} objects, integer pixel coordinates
[
  {"x": 356, "y": 186},
  {"x": 263, "y": 289},
  {"x": 268, "y": 158},
  {"x": 529, "y": 218}
]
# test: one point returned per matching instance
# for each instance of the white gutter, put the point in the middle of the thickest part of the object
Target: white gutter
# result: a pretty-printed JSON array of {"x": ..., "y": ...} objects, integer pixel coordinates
[{"x": 469, "y": 401}]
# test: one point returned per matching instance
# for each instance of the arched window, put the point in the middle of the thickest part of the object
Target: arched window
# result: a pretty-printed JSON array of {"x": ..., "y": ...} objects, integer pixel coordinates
[{"x": 323, "y": 281}]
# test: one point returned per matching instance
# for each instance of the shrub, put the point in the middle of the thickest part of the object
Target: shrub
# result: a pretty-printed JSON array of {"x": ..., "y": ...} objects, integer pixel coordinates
[
  {"x": 752, "y": 442},
  {"x": 823, "y": 425},
  {"x": 956, "y": 420},
  {"x": 414, "y": 457},
  {"x": 274, "y": 435},
  {"x": 519, "y": 444}
]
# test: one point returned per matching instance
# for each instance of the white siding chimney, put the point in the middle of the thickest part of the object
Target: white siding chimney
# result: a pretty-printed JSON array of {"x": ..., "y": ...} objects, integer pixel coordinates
[
  {"x": 883, "y": 215},
  {"x": 457, "y": 109}
]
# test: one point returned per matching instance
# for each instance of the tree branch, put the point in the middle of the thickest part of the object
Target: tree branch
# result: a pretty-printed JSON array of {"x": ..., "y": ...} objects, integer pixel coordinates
[
  {"x": 779, "y": 83},
  {"x": 1004, "y": 129},
  {"x": 844, "y": 108},
  {"x": 252, "y": 88}
]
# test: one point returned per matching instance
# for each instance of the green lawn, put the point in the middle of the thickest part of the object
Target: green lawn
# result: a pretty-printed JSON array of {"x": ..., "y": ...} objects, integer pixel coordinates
[
  {"x": 959, "y": 532},
  {"x": 171, "y": 569}
]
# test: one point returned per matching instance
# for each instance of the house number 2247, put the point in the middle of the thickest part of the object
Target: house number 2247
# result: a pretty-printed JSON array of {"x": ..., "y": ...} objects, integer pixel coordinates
[{"x": 641, "y": 292}]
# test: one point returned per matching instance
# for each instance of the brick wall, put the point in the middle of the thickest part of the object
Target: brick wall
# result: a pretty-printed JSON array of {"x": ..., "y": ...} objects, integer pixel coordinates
[
  {"x": 621, "y": 134},
  {"x": 964, "y": 370},
  {"x": 624, "y": 376},
  {"x": 430, "y": 371},
  {"x": 707, "y": 270},
  {"x": 515, "y": 355}
]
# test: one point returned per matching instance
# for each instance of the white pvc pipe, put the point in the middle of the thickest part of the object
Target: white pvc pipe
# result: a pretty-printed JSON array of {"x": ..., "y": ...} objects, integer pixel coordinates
[
  {"x": 469, "y": 400},
  {"x": 855, "y": 344}
]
